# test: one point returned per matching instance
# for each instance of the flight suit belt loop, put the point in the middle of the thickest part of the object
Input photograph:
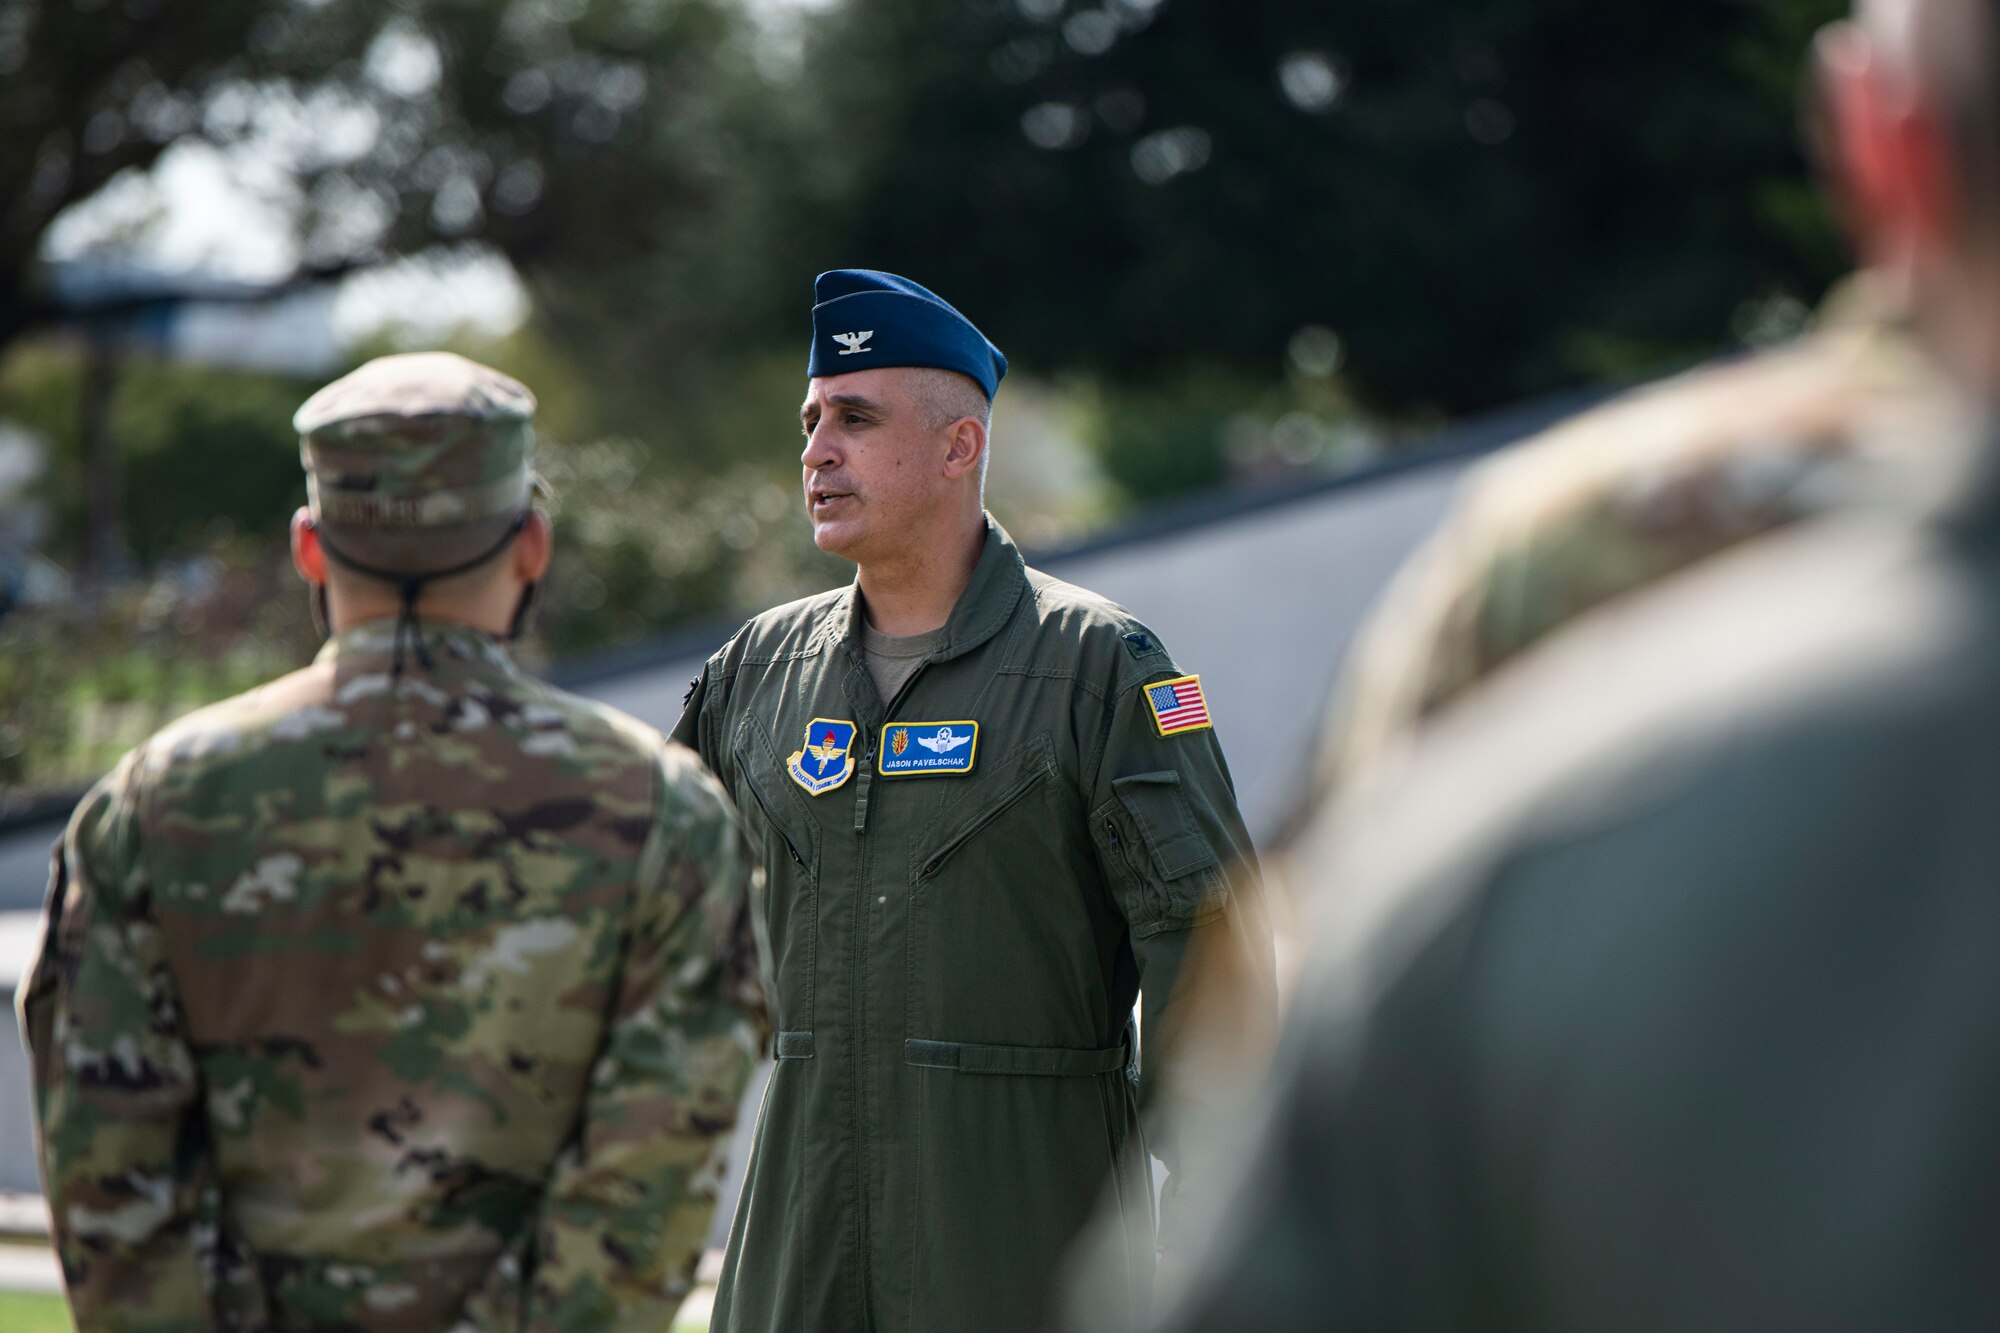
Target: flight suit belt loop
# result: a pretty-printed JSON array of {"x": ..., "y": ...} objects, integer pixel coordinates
[
  {"x": 966, "y": 1058},
  {"x": 794, "y": 1046}
]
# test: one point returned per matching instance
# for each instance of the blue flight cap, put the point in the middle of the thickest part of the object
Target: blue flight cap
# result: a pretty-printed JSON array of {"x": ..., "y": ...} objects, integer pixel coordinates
[{"x": 863, "y": 319}]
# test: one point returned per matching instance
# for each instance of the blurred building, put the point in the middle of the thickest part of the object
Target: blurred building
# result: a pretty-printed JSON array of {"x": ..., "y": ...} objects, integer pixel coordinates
[{"x": 286, "y": 328}]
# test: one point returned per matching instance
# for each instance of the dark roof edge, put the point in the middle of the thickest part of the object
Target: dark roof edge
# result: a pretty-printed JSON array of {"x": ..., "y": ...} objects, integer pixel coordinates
[
  {"x": 1481, "y": 435},
  {"x": 697, "y": 640},
  {"x": 49, "y": 808}
]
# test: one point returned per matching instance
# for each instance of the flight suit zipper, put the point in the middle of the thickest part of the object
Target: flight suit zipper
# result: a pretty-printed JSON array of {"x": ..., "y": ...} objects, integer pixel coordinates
[
  {"x": 771, "y": 818},
  {"x": 1116, "y": 843},
  {"x": 861, "y": 788}
]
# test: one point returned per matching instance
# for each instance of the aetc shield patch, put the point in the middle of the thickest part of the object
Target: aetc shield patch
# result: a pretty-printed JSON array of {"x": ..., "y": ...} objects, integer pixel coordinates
[
  {"x": 923, "y": 749},
  {"x": 828, "y": 759}
]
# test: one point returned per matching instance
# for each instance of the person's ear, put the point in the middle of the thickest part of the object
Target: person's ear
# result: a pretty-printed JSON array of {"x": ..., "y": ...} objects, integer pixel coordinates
[
  {"x": 534, "y": 547},
  {"x": 308, "y": 556},
  {"x": 1890, "y": 155},
  {"x": 967, "y": 446},
  {"x": 1928, "y": 178}
]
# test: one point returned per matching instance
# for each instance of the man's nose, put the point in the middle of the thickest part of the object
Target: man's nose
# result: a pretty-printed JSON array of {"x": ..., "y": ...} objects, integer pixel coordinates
[{"x": 819, "y": 451}]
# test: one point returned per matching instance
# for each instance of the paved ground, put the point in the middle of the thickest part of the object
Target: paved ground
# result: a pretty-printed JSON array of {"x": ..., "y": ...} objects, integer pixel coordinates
[{"x": 28, "y": 1268}]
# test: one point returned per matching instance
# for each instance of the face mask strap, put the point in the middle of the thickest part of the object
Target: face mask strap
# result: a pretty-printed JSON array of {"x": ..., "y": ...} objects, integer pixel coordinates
[
  {"x": 410, "y": 588},
  {"x": 522, "y": 610}
]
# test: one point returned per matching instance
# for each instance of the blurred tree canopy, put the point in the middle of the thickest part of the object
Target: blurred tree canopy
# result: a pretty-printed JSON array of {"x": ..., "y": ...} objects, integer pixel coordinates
[
  {"x": 557, "y": 130},
  {"x": 1482, "y": 199},
  {"x": 1234, "y": 234}
]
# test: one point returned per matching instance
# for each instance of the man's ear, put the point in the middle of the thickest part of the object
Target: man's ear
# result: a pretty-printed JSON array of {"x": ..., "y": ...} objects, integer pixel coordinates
[
  {"x": 967, "y": 447},
  {"x": 533, "y": 547},
  {"x": 308, "y": 556}
]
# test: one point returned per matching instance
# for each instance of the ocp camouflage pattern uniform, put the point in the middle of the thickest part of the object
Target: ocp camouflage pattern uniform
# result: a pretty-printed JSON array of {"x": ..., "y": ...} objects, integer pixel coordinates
[
  {"x": 1618, "y": 499},
  {"x": 393, "y": 1002}
]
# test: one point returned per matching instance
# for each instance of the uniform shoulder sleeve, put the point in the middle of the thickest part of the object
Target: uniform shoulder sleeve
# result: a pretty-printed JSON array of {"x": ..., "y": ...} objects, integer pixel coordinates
[
  {"x": 1163, "y": 804},
  {"x": 701, "y": 830},
  {"x": 707, "y": 694},
  {"x": 1601, "y": 506},
  {"x": 130, "y": 1191},
  {"x": 626, "y": 1211},
  {"x": 1178, "y": 861}
]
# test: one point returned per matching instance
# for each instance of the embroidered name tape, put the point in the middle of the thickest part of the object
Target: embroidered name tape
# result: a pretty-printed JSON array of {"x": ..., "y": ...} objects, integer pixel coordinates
[
  {"x": 919, "y": 749},
  {"x": 828, "y": 757},
  {"x": 1178, "y": 705}
]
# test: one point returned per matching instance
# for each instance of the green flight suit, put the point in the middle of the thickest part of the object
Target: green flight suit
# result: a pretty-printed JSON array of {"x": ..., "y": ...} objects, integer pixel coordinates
[{"x": 958, "y": 954}]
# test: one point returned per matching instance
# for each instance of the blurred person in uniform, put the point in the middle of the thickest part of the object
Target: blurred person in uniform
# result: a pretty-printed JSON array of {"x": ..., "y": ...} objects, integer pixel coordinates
[
  {"x": 993, "y": 813},
  {"x": 404, "y": 992},
  {"x": 1658, "y": 994},
  {"x": 1623, "y": 497}
]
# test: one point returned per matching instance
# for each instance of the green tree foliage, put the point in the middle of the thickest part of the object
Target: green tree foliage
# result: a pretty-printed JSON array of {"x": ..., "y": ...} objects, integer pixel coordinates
[
  {"x": 1485, "y": 199},
  {"x": 1234, "y": 230},
  {"x": 209, "y": 455},
  {"x": 560, "y": 131}
]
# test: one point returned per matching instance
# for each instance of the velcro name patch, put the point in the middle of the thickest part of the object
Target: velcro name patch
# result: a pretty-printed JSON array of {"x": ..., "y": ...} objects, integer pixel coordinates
[{"x": 927, "y": 749}]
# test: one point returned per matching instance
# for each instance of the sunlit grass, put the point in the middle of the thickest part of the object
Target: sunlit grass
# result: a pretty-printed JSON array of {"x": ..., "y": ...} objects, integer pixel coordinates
[{"x": 26, "y": 1312}]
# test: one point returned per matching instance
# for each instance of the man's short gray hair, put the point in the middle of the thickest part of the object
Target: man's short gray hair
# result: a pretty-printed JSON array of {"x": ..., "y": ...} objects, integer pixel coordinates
[{"x": 945, "y": 396}]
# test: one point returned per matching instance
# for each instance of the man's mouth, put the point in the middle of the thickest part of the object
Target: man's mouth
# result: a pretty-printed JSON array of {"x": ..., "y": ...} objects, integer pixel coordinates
[{"x": 825, "y": 499}]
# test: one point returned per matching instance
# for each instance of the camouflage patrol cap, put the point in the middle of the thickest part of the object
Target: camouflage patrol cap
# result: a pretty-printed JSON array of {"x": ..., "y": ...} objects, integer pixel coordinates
[{"x": 422, "y": 453}]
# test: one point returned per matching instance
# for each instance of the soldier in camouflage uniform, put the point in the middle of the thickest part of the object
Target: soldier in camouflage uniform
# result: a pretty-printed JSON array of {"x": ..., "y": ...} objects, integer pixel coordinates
[
  {"x": 1616, "y": 501},
  {"x": 1657, "y": 992},
  {"x": 404, "y": 992}
]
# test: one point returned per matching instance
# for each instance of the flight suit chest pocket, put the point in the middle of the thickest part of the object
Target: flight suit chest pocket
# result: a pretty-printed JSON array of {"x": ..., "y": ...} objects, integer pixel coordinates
[
  {"x": 776, "y": 800},
  {"x": 963, "y": 819},
  {"x": 1152, "y": 842},
  {"x": 789, "y": 838}
]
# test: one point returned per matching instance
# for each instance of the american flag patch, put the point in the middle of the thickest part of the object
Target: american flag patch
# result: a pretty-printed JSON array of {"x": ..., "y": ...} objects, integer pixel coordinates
[{"x": 1178, "y": 705}]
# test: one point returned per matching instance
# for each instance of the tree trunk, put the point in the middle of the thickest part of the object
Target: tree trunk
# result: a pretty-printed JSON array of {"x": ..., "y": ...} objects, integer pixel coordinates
[{"x": 105, "y": 556}]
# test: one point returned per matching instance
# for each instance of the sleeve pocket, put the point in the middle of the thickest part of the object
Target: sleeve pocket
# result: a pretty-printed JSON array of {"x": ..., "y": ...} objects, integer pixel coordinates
[{"x": 1171, "y": 858}]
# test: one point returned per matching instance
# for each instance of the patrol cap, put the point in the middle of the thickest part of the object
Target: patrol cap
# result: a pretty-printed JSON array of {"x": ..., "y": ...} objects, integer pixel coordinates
[
  {"x": 864, "y": 319},
  {"x": 417, "y": 460}
]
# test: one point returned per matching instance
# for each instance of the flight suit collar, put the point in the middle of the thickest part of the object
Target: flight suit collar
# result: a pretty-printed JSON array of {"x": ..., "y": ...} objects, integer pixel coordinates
[{"x": 998, "y": 581}]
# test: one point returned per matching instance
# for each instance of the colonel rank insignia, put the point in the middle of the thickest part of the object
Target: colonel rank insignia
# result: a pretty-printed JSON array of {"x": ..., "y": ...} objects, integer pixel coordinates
[
  {"x": 1178, "y": 705},
  {"x": 827, "y": 759},
  {"x": 923, "y": 749}
]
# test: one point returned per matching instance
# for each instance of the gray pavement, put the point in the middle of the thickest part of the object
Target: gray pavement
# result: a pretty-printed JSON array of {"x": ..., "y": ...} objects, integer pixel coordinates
[{"x": 24, "y": 866}]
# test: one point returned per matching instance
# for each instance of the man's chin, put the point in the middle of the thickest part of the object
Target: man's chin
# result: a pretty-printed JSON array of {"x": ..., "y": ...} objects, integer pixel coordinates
[{"x": 836, "y": 538}]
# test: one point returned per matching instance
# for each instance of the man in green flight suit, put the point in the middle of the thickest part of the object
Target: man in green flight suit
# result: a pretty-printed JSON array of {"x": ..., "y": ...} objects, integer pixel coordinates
[
  {"x": 405, "y": 992},
  {"x": 993, "y": 814}
]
